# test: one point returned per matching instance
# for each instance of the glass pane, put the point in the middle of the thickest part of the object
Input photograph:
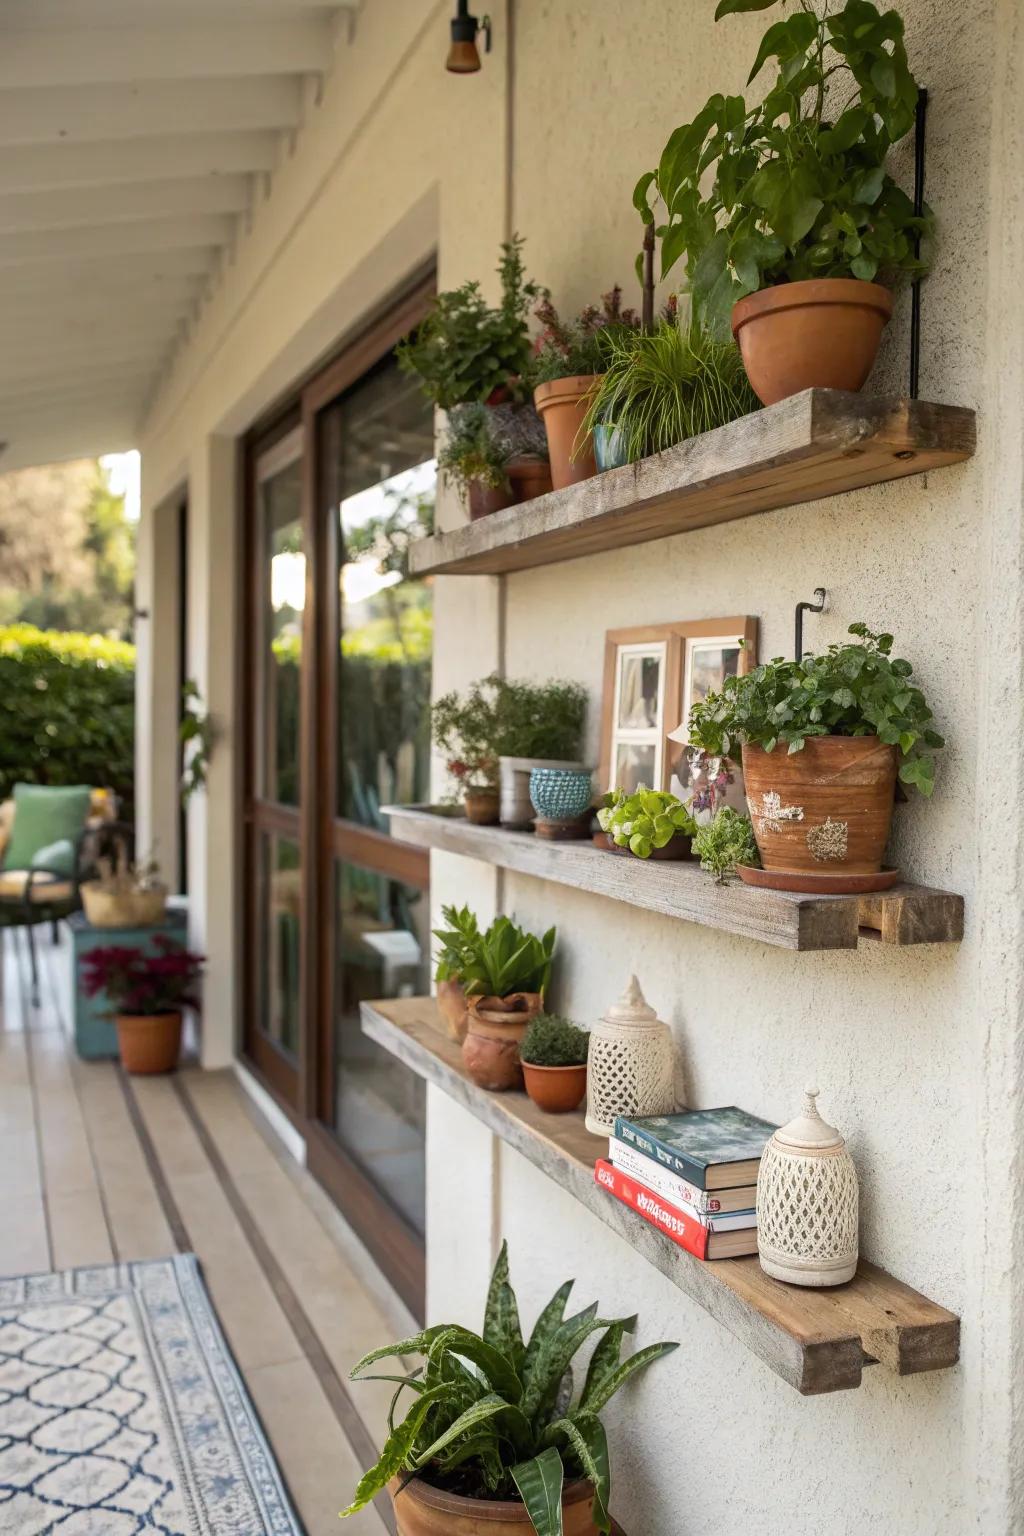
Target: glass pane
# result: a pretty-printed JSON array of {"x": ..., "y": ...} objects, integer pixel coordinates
[
  {"x": 710, "y": 665},
  {"x": 634, "y": 765},
  {"x": 383, "y": 950},
  {"x": 279, "y": 929},
  {"x": 284, "y": 596},
  {"x": 639, "y": 683}
]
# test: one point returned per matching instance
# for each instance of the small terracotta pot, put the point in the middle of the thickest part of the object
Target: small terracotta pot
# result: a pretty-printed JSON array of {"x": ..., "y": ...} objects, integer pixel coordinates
[
  {"x": 485, "y": 499},
  {"x": 451, "y": 1005},
  {"x": 148, "y": 1042},
  {"x": 825, "y": 810},
  {"x": 494, "y": 1031},
  {"x": 557, "y": 1090},
  {"x": 481, "y": 806},
  {"x": 424, "y": 1511},
  {"x": 563, "y": 405},
  {"x": 823, "y": 333},
  {"x": 529, "y": 478}
]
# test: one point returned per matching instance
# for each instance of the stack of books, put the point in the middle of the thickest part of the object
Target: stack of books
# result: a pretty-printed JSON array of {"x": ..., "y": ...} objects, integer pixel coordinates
[{"x": 692, "y": 1175}]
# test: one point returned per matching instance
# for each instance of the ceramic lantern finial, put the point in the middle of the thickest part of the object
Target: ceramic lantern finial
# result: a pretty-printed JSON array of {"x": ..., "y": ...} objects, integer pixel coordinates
[{"x": 810, "y": 1095}]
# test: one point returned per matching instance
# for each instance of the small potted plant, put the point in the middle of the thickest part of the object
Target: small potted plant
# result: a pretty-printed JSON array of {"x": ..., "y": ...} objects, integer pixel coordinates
[
  {"x": 725, "y": 843},
  {"x": 650, "y": 824},
  {"x": 823, "y": 740},
  {"x": 554, "y": 1054},
  {"x": 465, "y": 730},
  {"x": 505, "y": 973},
  {"x": 480, "y": 458},
  {"x": 125, "y": 895},
  {"x": 494, "y": 1438},
  {"x": 147, "y": 992},
  {"x": 793, "y": 232},
  {"x": 537, "y": 725},
  {"x": 458, "y": 940}
]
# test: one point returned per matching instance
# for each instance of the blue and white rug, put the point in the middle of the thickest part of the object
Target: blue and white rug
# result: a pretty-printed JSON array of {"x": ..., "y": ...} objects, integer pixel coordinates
[{"x": 122, "y": 1411}]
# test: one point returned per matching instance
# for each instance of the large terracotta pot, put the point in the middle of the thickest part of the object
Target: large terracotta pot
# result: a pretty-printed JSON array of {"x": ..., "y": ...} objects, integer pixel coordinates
[
  {"x": 149, "y": 1042},
  {"x": 563, "y": 405},
  {"x": 824, "y": 811},
  {"x": 481, "y": 806},
  {"x": 494, "y": 1031},
  {"x": 424, "y": 1511},
  {"x": 485, "y": 499},
  {"x": 529, "y": 478},
  {"x": 451, "y": 1005},
  {"x": 823, "y": 333},
  {"x": 557, "y": 1090}
]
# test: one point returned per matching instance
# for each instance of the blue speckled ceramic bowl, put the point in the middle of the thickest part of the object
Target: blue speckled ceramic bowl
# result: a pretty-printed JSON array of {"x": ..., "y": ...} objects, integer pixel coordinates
[{"x": 560, "y": 794}]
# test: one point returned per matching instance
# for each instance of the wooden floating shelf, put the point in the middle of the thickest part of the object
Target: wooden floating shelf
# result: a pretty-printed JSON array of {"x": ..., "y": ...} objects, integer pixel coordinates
[
  {"x": 818, "y": 443},
  {"x": 817, "y": 1341},
  {"x": 906, "y": 914}
]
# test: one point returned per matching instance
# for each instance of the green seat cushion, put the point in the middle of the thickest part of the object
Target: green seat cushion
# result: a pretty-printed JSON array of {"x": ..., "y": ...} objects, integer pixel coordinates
[{"x": 45, "y": 814}]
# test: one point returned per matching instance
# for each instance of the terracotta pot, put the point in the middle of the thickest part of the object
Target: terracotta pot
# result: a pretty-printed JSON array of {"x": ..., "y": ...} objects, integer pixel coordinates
[
  {"x": 529, "y": 478},
  {"x": 149, "y": 1042},
  {"x": 494, "y": 1031},
  {"x": 481, "y": 806},
  {"x": 563, "y": 405},
  {"x": 451, "y": 1005},
  {"x": 557, "y": 1090},
  {"x": 424, "y": 1511},
  {"x": 485, "y": 499},
  {"x": 823, "y": 333},
  {"x": 825, "y": 810}
]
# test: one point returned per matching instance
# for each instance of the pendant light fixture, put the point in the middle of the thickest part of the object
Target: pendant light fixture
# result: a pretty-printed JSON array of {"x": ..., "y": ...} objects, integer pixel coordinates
[{"x": 464, "y": 55}]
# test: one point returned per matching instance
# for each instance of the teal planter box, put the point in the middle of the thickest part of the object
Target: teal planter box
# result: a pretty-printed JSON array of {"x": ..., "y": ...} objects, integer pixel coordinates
[{"x": 95, "y": 1031}]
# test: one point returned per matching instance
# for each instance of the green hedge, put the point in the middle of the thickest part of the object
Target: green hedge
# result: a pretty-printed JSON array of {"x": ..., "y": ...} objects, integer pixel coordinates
[{"x": 67, "y": 710}]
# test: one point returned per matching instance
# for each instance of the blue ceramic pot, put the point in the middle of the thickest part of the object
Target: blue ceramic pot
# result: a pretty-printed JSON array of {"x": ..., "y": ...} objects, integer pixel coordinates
[
  {"x": 609, "y": 446},
  {"x": 560, "y": 794}
]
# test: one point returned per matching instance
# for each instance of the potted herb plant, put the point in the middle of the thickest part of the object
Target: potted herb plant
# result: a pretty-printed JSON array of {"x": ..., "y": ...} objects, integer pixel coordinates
[
  {"x": 792, "y": 230},
  {"x": 147, "y": 992},
  {"x": 465, "y": 730},
  {"x": 725, "y": 843},
  {"x": 554, "y": 1054},
  {"x": 492, "y": 1440},
  {"x": 480, "y": 457},
  {"x": 505, "y": 973},
  {"x": 537, "y": 725},
  {"x": 823, "y": 740},
  {"x": 458, "y": 940},
  {"x": 650, "y": 823}
]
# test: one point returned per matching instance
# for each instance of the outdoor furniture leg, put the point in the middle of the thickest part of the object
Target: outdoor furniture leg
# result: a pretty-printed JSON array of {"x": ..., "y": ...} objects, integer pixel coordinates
[
  {"x": 30, "y": 933},
  {"x": 54, "y": 931}
]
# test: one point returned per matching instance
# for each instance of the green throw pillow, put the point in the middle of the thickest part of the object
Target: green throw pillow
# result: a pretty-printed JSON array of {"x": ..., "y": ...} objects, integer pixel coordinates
[{"x": 45, "y": 814}]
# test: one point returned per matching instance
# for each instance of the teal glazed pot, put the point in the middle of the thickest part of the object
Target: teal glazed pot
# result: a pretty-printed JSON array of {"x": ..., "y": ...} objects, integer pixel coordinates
[
  {"x": 609, "y": 446},
  {"x": 560, "y": 794}
]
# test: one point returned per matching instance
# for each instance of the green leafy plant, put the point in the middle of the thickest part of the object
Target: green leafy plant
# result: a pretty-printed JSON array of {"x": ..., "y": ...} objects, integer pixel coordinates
[
  {"x": 472, "y": 451},
  {"x": 854, "y": 689},
  {"x": 552, "y": 1041},
  {"x": 196, "y": 736},
  {"x": 458, "y": 941},
  {"x": 645, "y": 820},
  {"x": 542, "y": 720},
  {"x": 660, "y": 387},
  {"x": 466, "y": 350},
  {"x": 505, "y": 959},
  {"x": 567, "y": 348},
  {"x": 494, "y": 1416},
  {"x": 725, "y": 842},
  {"x": 465, "y": 729},
  {"x": 795, "y": 187}
]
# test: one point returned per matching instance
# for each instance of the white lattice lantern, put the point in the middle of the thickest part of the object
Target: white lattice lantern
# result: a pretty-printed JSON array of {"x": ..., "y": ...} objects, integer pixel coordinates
[
  {"x": 630, "y": 1069},
  {"x": 807, "y": 1203}
]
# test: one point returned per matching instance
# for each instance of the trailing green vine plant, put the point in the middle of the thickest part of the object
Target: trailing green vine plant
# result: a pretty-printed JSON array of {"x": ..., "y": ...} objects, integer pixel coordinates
[
  {"x": 794, "y": 187},
  {"x": 196, "y": 734}
]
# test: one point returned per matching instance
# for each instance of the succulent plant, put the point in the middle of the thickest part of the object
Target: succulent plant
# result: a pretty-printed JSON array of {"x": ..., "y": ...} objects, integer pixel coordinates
[{"x": 645, "y": 820}]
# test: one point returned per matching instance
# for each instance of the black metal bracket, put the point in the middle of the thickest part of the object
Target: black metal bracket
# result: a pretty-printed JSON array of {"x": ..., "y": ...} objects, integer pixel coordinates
[
  {"x": 818, "y": 606},
  {"x": 920, "y": 113}
]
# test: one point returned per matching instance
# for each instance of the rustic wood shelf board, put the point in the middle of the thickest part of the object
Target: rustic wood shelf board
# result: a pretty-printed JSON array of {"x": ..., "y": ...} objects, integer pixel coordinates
[
  {"x": 906, "y": 914},
  {"x": 817, "y": 1341},
  {"x": 818, "y": 443}
]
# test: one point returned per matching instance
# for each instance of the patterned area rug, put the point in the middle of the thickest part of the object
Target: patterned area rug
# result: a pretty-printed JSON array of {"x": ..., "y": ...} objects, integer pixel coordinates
[{"x": 121, "y": 1411}]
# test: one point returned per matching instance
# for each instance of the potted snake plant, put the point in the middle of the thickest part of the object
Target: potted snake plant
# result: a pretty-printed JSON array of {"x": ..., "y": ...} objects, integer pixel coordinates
[{"x": 491, "y": 1440}]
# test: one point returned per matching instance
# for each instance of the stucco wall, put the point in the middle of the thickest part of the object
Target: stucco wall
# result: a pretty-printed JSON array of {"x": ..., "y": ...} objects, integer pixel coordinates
[{"x": 916, "y": 1052}]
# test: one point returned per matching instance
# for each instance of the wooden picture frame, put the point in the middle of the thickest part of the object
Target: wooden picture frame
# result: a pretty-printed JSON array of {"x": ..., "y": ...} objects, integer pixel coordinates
[{"x": 660, "y": 666}]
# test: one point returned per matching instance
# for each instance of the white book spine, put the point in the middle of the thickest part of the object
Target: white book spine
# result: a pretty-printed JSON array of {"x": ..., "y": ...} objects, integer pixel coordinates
[{"x": 698, "y": 1203}]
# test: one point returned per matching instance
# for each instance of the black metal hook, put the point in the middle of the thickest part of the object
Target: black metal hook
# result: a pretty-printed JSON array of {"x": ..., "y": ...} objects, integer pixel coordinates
[{"x": 801, "y": 608}]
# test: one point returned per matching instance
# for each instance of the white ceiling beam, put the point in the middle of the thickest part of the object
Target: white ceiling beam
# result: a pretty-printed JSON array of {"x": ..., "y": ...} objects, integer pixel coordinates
[
  {"x": 43, "y": 373},
  {"x": 27, "y": 360},
  {"x": 130, "y": 382},
  {"x": 78, "y": 273},
  {"x": 88, "y": 113},
  {"x": 70, "y": 209},
  {"x": 129, "y": 55},
  {"x": 62, "y": 15},
  {"x": 27, "y": 288},
  {"x": 43, "y": 167},
  {"x": 74, "y": 411},
  {"x": 95, "y": 328},
  {"x": 104, "y": 310},
  {"x": 116, "y": 239},
  {"x": 48, "y": 442}
]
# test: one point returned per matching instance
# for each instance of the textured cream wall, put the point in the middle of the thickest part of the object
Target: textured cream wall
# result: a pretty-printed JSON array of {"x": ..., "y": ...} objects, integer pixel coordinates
[{"x": 917, "y": 1053}]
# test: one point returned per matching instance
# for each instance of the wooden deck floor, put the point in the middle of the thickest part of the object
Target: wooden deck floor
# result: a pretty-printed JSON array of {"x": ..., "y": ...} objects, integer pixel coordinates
[{"x": 100, "y": 1167}]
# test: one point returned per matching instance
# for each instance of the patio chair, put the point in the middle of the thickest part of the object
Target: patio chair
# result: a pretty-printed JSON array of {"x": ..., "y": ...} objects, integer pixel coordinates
[{"x": 50, "y": 836}]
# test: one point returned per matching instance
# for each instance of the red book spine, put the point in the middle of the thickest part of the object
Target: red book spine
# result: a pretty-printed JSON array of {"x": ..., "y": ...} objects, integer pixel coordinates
[{"x": 682, "y": 1229}]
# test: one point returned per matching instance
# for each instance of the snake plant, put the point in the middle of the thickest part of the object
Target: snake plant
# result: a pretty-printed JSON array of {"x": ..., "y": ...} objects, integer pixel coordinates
[{"x": 493, "y": 1416}]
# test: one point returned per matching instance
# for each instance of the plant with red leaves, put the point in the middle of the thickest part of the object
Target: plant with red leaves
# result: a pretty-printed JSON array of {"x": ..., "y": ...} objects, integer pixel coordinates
[{"x": 137, "y": 983}]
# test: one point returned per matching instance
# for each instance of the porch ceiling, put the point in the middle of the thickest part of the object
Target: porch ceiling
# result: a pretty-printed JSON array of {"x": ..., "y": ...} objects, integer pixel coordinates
[{"x": 134, "y": 137}]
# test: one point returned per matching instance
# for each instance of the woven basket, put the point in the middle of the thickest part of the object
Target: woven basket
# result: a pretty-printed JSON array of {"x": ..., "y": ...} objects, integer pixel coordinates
[{"x": 123, "y": 909}]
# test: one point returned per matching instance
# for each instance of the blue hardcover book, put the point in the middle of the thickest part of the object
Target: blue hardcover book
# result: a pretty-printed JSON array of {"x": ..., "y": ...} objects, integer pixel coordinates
[{"x": 712, "y": 1148}]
